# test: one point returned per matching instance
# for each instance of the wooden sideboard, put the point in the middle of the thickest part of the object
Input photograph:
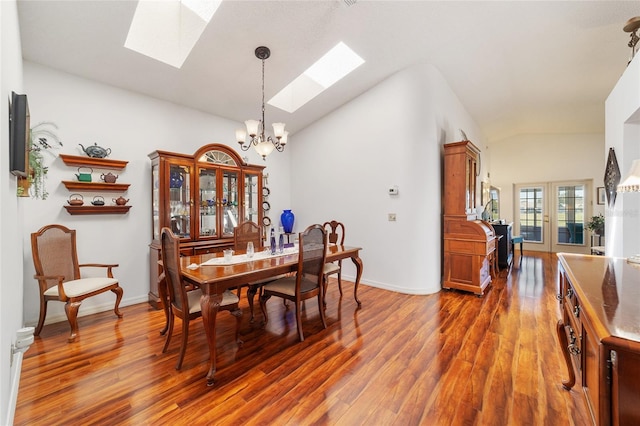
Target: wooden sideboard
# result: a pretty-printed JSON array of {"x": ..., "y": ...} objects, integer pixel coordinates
[{"x": 599, "y": 333}]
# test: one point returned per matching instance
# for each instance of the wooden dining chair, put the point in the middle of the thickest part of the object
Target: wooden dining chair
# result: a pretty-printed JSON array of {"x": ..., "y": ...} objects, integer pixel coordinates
[
  {"x": 186, "y": 304},
  {"x": 242, "y": 234},
  {"x": 308, "y": 280},
  {"x": 335, "y": 235},
  {"x": 55, "y": 258}
]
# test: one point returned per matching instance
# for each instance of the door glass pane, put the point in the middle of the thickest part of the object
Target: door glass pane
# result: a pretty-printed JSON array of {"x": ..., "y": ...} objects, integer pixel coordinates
[
  {"x": 229, "y": 202},
  {"x": 531, "y": 216},
  {"x": 179, "y": 200},
  {"x": 570, "y": 214},
  {"x": 251, "y": 197},
  {"x": 207, "y": 204}
]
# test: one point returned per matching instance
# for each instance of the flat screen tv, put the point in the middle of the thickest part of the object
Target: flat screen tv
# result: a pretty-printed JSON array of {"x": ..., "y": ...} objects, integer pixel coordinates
[{"x": 19, "y": 126}]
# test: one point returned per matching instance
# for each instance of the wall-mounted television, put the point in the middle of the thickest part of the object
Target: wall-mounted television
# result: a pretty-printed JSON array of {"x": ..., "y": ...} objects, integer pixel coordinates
[{"x": 19, "y": 125}]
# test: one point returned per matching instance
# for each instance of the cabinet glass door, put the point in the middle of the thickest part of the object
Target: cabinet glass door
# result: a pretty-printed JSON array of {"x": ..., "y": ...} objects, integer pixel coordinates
[
  {"x": 180, "y": 200},
  {"x": 251, "y": 209},
  {"x": 155, "y": 200},
  {"x": 230, "y": 203},
  {"x": 207, "y": 204}
]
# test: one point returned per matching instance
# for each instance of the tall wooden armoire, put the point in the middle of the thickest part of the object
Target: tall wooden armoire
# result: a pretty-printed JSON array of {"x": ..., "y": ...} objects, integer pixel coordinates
[{"x": 469, "y": 243}]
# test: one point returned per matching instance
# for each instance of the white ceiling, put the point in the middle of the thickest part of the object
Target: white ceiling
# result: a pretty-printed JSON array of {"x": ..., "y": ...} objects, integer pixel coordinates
[{"x": 517, "y": 66}]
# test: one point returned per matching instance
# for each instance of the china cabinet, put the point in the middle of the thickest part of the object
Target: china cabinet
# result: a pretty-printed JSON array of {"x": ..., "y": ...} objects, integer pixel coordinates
[
  {"x": 469, "y": 243},
  {"x": 201, "y": 198},
  {"x": 599, "y": 336}
]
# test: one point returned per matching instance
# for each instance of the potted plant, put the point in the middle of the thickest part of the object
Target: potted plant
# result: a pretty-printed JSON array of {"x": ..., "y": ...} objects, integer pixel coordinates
[
  {"x": 596, "y": 224},
  {"x": 42, "y": 139}
]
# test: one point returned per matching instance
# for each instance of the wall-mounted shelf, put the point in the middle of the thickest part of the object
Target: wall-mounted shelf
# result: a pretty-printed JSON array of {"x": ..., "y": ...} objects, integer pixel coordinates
[
  {"x": 95, "y": 186},
  {"x": 74, "y": 210},
  {"x": 104, "y": 163}
]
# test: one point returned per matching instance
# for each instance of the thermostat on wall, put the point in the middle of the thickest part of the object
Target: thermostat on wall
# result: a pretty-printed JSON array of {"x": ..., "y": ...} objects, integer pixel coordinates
[{"x": 393, "y": 190}]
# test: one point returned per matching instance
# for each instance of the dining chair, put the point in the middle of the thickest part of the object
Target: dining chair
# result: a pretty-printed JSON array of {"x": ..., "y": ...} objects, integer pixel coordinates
[
  {"x": 55, "y": 258},
  {"x": 335, "y": 235},
  {"x": 308, "y": 280},
  {"x": 244, "y": 233},
  {"x": 186, "y": 304}
]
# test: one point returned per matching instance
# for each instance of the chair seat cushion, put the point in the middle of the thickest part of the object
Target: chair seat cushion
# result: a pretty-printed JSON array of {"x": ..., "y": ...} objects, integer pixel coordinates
[
  {"x": 330, "y": 268},
  {"x": 228, "y": 298},
  {"x": 517, "y": 239},
  {"x": 288, "y": 286},
  {"x": 267, "y": 280},
  {"x": 76, "y": 288}
]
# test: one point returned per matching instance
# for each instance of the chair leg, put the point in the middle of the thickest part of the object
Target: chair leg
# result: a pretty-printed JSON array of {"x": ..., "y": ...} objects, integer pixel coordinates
[
  {"x": 299, "y": 319},
  {"x": 43, "y": 314},
  {"x": 183, "y": 345},
  {"x": 251, "y": 293},
  {"x": 118, "y": 291},
  {"x": 263, "y": 307},
  {"x": 325, "y": 284},
  {"x": 238, "y": 314},
  {"x": 71, "y": 309},
  {"x": 320, "y": 304},
  {"x": 169, "y": 330}
]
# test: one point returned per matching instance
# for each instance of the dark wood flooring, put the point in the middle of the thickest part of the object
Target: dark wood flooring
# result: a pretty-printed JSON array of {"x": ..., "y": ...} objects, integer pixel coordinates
[{"x": 445, "y": 359}]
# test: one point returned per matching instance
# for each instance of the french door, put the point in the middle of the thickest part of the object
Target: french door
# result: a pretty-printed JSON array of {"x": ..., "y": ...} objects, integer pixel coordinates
[{"x": 551, "y": 216}]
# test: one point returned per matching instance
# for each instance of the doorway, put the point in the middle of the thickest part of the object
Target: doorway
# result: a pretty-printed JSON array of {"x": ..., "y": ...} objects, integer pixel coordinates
[{"x": 552, "y": 216}]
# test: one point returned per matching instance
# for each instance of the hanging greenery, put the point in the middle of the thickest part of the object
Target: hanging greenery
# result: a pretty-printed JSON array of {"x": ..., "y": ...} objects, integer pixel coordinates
[{"x": 42, "y": 139}]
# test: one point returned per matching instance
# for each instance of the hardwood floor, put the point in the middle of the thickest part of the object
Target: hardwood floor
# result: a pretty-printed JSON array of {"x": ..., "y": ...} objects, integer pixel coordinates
[{"x": 445, "y": 359}]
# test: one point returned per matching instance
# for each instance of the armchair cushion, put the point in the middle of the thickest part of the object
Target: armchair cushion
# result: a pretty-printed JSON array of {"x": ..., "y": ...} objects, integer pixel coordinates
[{"x": 82, "y": 286}]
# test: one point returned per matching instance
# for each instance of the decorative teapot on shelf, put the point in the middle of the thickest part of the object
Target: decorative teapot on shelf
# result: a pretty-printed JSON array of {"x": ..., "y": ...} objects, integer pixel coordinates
[
  {"x": 96, "y": 151},
  {"x": 75, "y": 200},
  {"x": 84, "y": 177},
  {"x": 98, "y": 200},
  {"x": 109, "y": 177},
  {"x": 120, "y": 201}
]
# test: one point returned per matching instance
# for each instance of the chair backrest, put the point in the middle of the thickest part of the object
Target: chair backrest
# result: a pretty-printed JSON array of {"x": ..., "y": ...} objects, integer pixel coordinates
[
  {"x": 335, "y": 232},
  {"x": 312, "y": 255},
  {"x": 170, "y": 252},
  {"x": 54, "y": 253},
  {"x": 245, "y": 232}
]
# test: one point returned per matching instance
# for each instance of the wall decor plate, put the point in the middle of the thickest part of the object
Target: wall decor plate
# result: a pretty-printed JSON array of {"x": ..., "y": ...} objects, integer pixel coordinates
[
  {"x": 265, "y": 191},
  {"x": 611, "y": 178},
  {"x": 266, "y": 221},
  {"x": 266, "y": 206}
]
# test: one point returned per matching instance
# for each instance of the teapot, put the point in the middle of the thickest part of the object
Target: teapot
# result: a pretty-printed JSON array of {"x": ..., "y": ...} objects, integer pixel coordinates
[
  {"x": 84, "y": 177},
  {"x": 75, "y": 200},
  {"x": 98, "y": 200},
  {"x": 95, "y": 151},
  {"x": 109, "y": 177},
  {"x": 121, "y": 201}
]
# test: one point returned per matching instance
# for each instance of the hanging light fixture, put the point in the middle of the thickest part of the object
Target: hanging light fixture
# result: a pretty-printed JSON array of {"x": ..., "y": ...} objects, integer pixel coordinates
[{"x": 264, "y": 145}]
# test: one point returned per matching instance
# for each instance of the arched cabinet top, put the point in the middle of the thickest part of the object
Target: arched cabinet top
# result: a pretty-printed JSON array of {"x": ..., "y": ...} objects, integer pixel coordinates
[{"x": 218, "y": 154}]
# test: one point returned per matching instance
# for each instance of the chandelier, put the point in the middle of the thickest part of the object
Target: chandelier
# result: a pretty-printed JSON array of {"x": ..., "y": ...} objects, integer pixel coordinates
[{"x": 264, "y": 145}]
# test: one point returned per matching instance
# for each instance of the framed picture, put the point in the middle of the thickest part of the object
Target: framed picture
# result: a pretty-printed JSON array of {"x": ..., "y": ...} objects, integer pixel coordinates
[{"x": 601, "y": 195}]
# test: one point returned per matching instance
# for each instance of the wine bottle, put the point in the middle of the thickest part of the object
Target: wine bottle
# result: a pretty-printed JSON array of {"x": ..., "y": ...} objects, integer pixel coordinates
[{"x": 273, "y": 241}]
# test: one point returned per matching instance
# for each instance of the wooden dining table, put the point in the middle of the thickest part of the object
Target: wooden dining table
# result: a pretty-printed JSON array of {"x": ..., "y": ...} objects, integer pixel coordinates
[{"x": 214, "y": 280}]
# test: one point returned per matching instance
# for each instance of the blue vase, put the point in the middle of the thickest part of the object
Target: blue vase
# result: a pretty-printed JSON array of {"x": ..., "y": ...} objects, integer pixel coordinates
[{"x": 287, "y": 217}]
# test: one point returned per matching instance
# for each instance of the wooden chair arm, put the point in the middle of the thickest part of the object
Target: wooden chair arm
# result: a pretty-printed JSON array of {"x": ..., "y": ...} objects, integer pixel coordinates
[
  {"x": 42, "y": 280},
  {"x": 101, "y": 265}
]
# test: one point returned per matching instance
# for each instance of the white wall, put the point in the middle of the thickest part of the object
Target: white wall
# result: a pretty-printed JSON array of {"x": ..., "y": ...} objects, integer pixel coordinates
[
  {"x": 131, "y": 125},
  {"x": 345, "y": 163},
  {"x": 622, "y": 120},
  {"x": 541, "y": 158},
  {"x": 10, "y": 212}
]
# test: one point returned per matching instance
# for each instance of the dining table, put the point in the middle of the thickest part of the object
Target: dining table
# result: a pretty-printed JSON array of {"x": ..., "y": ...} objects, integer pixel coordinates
[{"x": 214, "y": 275}]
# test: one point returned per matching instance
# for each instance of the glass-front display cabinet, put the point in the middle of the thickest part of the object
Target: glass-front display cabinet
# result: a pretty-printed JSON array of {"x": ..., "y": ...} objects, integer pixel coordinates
[{"x": 201, "y": 198}]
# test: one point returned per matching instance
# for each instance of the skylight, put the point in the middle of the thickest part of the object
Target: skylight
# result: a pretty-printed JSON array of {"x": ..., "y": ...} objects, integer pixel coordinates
[
  {"x": 333, "y": 66},
  {"x": 167, "y": 30}
]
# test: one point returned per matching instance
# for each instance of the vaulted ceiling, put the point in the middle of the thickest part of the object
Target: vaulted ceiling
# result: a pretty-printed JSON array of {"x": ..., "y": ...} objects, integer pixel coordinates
[{"x": 517, "y": 66}]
